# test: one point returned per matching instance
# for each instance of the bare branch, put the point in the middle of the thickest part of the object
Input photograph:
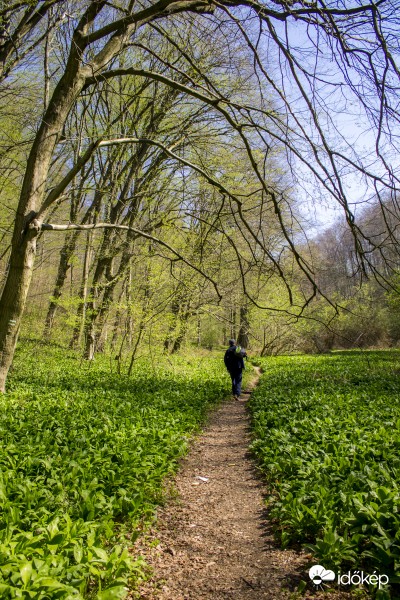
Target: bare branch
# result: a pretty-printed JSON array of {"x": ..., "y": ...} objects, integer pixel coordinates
[{"x": 178, "y": 255}]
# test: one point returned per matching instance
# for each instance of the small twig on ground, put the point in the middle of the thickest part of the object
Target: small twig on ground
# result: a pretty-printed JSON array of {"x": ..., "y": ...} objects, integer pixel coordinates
[{"x": 248, "y": 583}]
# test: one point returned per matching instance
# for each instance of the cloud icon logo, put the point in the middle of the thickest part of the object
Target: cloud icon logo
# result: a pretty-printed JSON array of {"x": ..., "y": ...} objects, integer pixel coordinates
[{"x": 318, "y": 575}]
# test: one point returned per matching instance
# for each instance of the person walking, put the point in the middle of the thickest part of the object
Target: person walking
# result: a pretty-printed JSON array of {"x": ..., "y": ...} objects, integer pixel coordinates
[{"x": 234, "y": 363}]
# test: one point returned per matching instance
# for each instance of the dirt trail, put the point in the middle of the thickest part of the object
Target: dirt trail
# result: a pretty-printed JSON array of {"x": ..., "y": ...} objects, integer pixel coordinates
[{"x": 212, "y": 541}]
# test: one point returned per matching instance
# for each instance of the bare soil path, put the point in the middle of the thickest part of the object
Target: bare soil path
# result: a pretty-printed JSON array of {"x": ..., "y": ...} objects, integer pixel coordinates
[{"x": 213, "y": 540}]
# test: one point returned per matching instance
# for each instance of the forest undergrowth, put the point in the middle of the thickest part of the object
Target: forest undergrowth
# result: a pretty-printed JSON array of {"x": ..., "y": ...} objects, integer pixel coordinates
[
  {"x": 327, "y": 437},
  {"x": 83, "y": 456},
  {"x": 84, "y": 453}
]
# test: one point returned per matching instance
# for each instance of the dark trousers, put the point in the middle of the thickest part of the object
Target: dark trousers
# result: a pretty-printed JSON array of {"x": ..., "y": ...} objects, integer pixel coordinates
[{"x": 236, "y": 377}]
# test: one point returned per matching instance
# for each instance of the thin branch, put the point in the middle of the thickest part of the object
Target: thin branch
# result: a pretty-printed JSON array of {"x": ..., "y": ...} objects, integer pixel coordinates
[{"x": 179, "y": 256}]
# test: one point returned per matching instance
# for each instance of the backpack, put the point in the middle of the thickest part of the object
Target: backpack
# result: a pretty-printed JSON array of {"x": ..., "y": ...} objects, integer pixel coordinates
[
  {"x": 234, "y": 356},
  {"x": 239, "y": 351}
]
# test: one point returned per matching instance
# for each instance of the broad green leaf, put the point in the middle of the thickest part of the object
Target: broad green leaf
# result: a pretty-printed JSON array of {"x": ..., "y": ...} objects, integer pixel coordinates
[{"x": 26, "y": 572}]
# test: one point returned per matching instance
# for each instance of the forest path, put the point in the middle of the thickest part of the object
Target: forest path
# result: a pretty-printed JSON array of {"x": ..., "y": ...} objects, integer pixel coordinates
[{"x": 213, "y": 541}]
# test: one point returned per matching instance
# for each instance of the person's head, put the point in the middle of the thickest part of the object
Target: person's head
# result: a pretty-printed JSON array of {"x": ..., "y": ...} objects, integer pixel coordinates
[{"x": 232, "y": 342}]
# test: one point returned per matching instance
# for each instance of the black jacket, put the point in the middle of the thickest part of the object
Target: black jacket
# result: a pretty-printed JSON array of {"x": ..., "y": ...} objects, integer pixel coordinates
[{"x": 234, "y": 362}]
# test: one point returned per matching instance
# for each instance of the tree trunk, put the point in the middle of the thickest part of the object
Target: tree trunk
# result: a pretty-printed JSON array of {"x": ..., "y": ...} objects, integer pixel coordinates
[
  {"x": 63, "y": 267},
  {"x": 68, "y": 250},
  {"x": 90, "y": 331},
  {"x": 233, "y": 323},
  {"x": 81, "y": 312},
  {"x": 243, "y": 335},
  {"x": 175, "y": 311},
  {"x": 13, "y": 298},
  {"x": 198, "y": 330},
  {"x": 135, "y": 349},
  {"x": 118, "y": 317},
  {"x": 26, "y": 228},
  {"x": 46, "y": 70},
  {"x": 128, "y": 295},
  {"x": 182, "y": 330}
]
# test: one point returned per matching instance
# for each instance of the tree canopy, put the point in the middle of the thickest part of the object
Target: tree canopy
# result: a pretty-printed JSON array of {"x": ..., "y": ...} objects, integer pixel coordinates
[{"x": 255, "y": 107}]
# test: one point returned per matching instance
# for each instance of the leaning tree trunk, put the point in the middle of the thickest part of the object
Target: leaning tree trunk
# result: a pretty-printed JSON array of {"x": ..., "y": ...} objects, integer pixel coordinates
[
  {"x": 27, "y": 226},
  {"x": 14, "y": 294}
]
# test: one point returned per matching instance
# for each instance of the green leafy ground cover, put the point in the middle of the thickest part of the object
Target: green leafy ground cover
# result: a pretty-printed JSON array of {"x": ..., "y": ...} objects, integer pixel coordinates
[
  {"x": 327, "y": 434},
  {"x": 82, "y": 457}
]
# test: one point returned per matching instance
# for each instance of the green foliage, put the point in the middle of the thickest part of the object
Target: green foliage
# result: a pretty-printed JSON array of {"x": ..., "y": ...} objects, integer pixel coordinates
[
  {"x": 327, "y": 434},
  {"x": 393, "y": 301},
  {"x": 83, "y": 455}
]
